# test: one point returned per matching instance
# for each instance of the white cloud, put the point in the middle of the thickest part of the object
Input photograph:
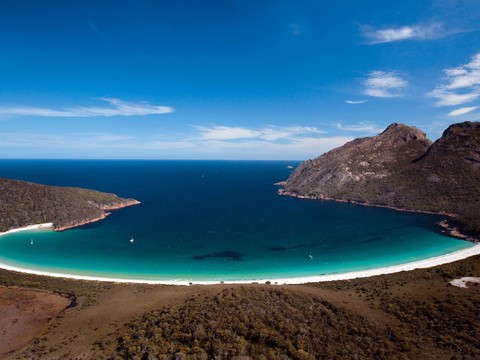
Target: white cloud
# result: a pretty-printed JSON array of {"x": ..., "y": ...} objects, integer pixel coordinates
[
  {"x": 110, "y": 145},
  {"x": 462, "y": 111},
  {"x": 448, "y": 98},
  {"x": 267, "y": 142},
  {"x": 272, "y": 133},
  {"x": 366, "y": 127},
  {"x": 356, "y": 102},
  {"x": 427, "y": 31},
  {"x": 460, "y": 85},
  {"x": 226, "y": 133},
  {"x": 116, "y": 108},
  {"x": 269, "y": 133},
  {"x": 384, "y": 84},
  {"x": 296, "y": 149}
]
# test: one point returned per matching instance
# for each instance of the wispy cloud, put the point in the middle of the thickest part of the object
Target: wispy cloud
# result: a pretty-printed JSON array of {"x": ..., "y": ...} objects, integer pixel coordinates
[
  {"x": 462, "y": 111},
  {"x": 111, "y": 145},
  {"x": 90, "y": 145},
  {"x": 97, "y": 31},
  {"x": 115, "y": 107},
  {"x": 295, "y": 149},
  {"x": 295, "y": 29},
  {"x": 426, "y": 31},
  {"x": 460, "y": 85},
  {"x": 64, "y": 141},
  {"x": 269, "y": 133},
  {"x": 226, "y": 133},
  {"x": 366, "y": 127},
  {"x": 272, "y": 133},
  {"x": 356, "y": 102},
  {"x": 384, "y": 84}
]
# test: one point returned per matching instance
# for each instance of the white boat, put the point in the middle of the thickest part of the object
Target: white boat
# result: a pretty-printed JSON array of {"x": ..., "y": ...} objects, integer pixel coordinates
[
  {"x": 31, "y": 241},
  {"x": 132, "y": 240}
]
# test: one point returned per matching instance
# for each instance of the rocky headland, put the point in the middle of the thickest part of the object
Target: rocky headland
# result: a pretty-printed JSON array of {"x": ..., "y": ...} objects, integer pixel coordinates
[
  {"x": 24, "y": 203},
  {"x": 402, "y": 169}
]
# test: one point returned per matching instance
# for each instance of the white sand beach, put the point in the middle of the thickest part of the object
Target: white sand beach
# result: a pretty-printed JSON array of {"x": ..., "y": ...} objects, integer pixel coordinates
[
  {"x": 421, "y": 264},
  {"x": 29, "y": 227}
]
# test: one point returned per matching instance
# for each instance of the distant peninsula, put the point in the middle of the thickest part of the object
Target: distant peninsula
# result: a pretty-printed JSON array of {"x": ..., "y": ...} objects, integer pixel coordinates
[
  {"x": 24, "y": 203},
  {"x": 402, "y": 169}
]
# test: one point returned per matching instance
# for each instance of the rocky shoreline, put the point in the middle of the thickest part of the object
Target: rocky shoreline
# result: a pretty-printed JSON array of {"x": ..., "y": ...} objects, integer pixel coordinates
[
  {"x": 447, "y": 225},
  {"x": 319, "y": 197},
  {"x": 24, "y": 203},
  {"x": 106, "y": 212},
  {"x": 401, "y": 169}
]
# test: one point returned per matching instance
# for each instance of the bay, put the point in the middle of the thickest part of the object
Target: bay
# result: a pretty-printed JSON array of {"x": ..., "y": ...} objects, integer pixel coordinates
[{"x": 214, "y": 220}]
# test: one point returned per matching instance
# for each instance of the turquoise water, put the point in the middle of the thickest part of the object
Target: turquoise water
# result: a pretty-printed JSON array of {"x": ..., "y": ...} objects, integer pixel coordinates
[{"x": 214, "y": 220}]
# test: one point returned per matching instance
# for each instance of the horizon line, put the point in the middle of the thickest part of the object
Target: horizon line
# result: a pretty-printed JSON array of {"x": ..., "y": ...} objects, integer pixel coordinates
[{"x": 142, "y": 159}]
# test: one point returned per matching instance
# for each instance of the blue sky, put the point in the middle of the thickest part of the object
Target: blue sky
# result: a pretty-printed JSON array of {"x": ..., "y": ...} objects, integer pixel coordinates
[{"x": 229, "y": 79}]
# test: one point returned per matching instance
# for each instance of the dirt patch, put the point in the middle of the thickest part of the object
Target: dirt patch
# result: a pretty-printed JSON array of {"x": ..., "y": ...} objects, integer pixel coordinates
[
  {"x": 24, "y": 315},
  {"x": 89, "y": 331}
]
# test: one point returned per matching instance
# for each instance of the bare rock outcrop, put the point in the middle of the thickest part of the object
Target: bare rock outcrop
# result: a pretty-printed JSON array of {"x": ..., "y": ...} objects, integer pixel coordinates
[{"x": 400, "y": 168}]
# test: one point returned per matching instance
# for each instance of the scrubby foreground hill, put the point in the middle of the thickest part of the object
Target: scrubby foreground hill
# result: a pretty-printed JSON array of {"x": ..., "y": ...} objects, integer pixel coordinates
[
  {"x": 400, "y": 168},
  {"x": 249, "y": 323},
  {"x": 246, "y": 323},
  {"x": 408, "y": 315},
  {"x": 24, "y": 203}
]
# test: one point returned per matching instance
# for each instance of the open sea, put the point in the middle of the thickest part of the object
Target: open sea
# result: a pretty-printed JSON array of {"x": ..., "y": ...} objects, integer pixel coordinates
[{"x": 214, "y": 221}]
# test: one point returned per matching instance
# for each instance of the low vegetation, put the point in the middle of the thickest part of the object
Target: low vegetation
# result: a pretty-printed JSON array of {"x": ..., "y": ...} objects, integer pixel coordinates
[
  {"x": 24, "y": 203},
  {"x": 86, "y": 291},
  {"x": 243, "y": 323},
  {"x": 408, "y": 315}
]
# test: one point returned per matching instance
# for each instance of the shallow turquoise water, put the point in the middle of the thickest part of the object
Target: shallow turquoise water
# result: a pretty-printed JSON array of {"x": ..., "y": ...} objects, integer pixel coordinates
[{"x": 214, "y": 220}]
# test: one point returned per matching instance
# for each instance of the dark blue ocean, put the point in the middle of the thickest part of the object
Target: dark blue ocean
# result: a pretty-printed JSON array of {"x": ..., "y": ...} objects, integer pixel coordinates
[{"x": 214, "y": 220}]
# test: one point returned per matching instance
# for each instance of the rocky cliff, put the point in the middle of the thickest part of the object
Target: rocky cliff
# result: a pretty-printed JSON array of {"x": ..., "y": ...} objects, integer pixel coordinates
[
  {"x": 400, "y": 168},
  {"x": 24, "y": 203}
]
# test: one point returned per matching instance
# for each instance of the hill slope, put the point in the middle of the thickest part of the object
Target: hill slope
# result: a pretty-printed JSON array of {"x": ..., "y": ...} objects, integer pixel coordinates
[
  {"x": 400, "y": 168},
  {"x": 24, "y": 203}
]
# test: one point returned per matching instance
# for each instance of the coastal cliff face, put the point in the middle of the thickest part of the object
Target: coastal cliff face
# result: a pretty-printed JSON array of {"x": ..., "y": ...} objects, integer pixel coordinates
[
  {"x": 24, "y": 203},
  {"x": 400, "y": 168},
  {"x": 361, "y": 170}
]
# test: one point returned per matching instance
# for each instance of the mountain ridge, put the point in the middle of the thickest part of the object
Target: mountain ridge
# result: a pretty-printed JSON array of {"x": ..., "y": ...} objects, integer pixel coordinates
[{"x": 400, "y": 168}]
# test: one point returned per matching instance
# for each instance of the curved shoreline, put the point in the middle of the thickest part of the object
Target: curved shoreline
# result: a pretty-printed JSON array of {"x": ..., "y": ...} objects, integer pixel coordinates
[
  {"x": 29, "y": 227},
  {"x": 105, "y": 212},
  {"x": 420, "y": 264},
  {"x": 284, "y": 192},
  {"x": 451, "y": 230}
]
